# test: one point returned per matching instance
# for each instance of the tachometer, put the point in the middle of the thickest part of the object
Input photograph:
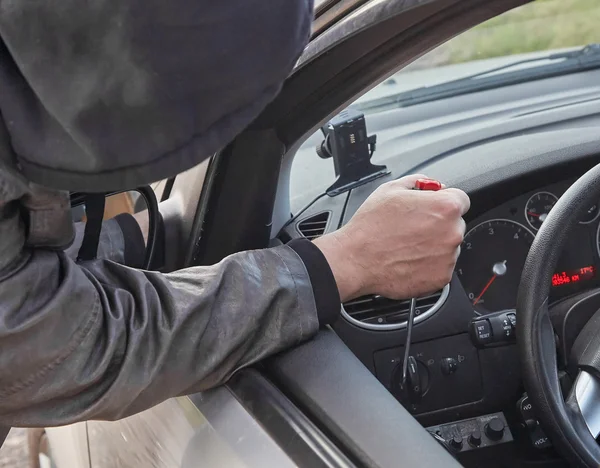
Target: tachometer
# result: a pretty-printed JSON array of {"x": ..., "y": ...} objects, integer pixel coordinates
[
  {"x": 537, "y": 208},
  {"x": 492, "y": 258}
]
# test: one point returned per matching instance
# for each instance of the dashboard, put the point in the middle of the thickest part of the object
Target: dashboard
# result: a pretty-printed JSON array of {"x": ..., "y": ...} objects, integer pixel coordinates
[
  {"x": 467, "y": 379},
  {"x": 509, "y": 204},
  {"x": 514, "y": 151},
  {"x": 496, "y": 245}
]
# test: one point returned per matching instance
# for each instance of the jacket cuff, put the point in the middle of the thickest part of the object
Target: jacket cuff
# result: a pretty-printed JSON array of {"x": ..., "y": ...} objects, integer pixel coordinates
[
  {"x": 134, "y": 248},
  {"x": 327, "y": 297}
]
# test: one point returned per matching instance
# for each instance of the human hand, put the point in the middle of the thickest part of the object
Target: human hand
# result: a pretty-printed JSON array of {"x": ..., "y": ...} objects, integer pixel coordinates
[{"x": 401, "y": 242}]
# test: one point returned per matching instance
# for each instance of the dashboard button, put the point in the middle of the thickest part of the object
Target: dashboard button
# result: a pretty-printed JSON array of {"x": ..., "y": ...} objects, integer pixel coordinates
[
  {"x": 512, "y": 318},
  {"x": 481, "y": 331},
  {"x": 508, "y": 329},
  {"x": 475, "y": 439},
  {"x": 449, "y": 365},
  {"x": 494, "y": 429},
  {"x": 456, "y": 442}
]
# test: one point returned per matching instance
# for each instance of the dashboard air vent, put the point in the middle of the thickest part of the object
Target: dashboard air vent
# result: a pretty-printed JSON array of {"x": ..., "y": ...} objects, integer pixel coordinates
[
  {"x": 314, "y": 226},
  {"x": 380, "y": 313}
]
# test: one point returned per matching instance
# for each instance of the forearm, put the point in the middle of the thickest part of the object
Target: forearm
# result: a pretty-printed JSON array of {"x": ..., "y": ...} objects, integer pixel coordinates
[{"x": 106, "y": 341}]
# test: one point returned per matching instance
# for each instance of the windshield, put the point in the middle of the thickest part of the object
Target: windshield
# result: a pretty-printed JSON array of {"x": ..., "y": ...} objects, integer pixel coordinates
[
  {"x": 523, "y": 39},
  {"x": 527, "y": 32}
]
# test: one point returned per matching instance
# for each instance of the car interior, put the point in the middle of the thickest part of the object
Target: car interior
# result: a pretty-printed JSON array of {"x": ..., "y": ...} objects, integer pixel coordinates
[{"x": 499, "y": 368}]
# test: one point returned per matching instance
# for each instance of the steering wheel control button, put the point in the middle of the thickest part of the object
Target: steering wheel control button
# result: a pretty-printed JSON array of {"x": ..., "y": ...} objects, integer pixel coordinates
[
  {"x": 539, "y": 440},
  {"x": 475, "y": 438},
  {"x": 494, "y": 429},
  {"x": 507, "y": 328},
  {"x": 525, "y": 409},
  {"x": 481, "y": 331},
  {"x": 512, "y": 318},
  {"x": 531, "y": 424},
  {"x": 449, "y": 365}
]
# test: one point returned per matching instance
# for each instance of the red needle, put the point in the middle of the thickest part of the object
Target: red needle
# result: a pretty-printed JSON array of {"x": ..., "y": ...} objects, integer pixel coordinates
[
  {"x": 489, "y": 283},
  {"x": 532, "y": 214}
]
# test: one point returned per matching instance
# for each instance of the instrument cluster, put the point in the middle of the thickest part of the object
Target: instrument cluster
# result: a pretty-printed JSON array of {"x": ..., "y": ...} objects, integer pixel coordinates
[{"x": 496, "y": 245}]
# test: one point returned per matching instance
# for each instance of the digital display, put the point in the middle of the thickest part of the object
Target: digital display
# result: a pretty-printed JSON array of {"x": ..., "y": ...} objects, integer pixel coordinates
[{"x": 573, "y": 276}]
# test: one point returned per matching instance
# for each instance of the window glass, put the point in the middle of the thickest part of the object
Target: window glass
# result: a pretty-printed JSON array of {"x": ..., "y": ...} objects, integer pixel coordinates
[{"x": 525, "y": 38}]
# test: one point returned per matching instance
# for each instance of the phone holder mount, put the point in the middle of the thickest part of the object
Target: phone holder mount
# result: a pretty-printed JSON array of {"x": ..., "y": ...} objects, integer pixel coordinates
[{"x": 346, "y": 141}]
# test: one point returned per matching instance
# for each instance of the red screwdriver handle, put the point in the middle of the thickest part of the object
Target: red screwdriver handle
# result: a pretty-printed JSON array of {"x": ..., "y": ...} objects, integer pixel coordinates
[{"x": 428, "y": 184}]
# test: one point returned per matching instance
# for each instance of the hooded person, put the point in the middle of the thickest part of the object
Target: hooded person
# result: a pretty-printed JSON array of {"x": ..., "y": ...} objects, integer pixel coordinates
[{"x": 113, "y": 94}]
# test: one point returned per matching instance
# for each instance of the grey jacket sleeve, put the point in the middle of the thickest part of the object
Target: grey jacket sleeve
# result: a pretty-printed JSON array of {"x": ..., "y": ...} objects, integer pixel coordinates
[{"x": 103, "y": 341}]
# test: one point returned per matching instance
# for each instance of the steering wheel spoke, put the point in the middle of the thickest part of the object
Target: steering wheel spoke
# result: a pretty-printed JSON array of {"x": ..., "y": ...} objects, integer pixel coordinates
[{"x": 584, "y": 399}]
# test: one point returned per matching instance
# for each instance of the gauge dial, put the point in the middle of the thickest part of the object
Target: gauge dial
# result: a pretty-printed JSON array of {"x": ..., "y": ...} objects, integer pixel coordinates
[
  {"x": 492, "y": 258},
  {"x": 538, "y": 207},
  {"x": 591, "y": 214}
]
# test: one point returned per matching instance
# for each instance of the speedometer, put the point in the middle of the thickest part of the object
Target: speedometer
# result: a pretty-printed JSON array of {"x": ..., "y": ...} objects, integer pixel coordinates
[{"x": 492, "y": 258}]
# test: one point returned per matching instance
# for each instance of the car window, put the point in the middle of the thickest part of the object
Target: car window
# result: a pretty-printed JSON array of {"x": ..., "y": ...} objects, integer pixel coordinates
[
  {"x": 537, "y": 35},
  {"x": 529, "y": 31}
]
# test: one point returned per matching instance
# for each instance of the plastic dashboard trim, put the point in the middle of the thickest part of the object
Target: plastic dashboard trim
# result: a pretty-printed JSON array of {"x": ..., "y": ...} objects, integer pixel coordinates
[{"x": 401, "y": 325}]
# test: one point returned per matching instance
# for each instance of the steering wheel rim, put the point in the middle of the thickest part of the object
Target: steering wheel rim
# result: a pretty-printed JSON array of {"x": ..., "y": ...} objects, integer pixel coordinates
[{"x": 562, "y": 420}]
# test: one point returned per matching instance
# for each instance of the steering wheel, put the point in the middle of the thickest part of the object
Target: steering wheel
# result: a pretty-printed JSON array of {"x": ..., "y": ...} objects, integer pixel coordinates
[{"x": 571, "y": 423}]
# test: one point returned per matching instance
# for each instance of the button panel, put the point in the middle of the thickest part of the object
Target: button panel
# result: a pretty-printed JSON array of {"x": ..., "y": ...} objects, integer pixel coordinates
[
  {"x": 448, "y": 369},
  {"x": 494, "y": 329},
  {"x": 538, "y": 438},
  {"x": 475, "y": 432}
]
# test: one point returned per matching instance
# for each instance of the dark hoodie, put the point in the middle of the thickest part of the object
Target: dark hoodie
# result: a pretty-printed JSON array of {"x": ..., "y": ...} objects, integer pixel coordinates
[
  {"x": 107, "y": 94},
  {"x": 113, "y": 94}
]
